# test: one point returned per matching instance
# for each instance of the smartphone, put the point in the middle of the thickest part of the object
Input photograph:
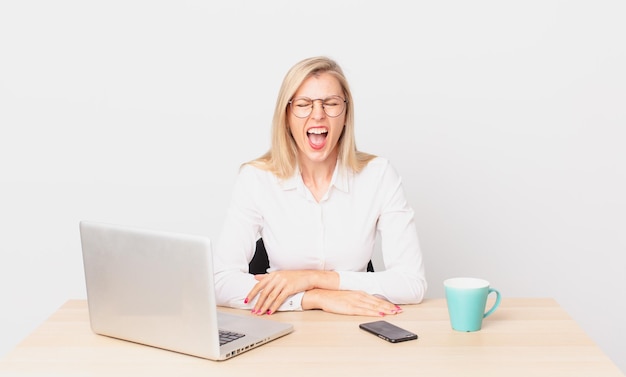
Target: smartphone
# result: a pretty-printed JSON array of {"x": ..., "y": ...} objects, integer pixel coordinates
[{"x": 388, "y": 331}]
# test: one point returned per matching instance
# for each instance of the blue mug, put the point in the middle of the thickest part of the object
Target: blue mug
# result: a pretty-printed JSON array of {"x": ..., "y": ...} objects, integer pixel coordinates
[{"x": 467, "y": 300}]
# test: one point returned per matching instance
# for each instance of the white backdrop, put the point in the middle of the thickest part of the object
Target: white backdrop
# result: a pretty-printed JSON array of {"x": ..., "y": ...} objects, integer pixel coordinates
[{"x": 506, "y": 119}]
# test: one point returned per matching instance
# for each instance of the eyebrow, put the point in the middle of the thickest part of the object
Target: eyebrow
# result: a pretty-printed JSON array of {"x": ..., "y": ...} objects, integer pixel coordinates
[{"x": 327, "y": 97}]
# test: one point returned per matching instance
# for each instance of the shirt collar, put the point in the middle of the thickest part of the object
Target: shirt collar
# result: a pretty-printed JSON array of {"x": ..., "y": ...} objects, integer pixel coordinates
[{"x": 340, "y": 180}]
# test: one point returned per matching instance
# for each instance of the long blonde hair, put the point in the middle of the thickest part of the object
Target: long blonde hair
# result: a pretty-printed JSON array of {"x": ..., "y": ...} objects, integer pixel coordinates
[{"x": 281, "y": 159}]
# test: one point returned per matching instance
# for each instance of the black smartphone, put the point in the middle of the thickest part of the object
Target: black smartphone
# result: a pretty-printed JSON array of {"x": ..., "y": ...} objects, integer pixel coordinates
[{"x": 388, "y": 331}]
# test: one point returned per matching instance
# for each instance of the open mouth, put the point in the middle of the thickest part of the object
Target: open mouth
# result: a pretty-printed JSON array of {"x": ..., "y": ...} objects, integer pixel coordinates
[{"x": 317, "y": 137}]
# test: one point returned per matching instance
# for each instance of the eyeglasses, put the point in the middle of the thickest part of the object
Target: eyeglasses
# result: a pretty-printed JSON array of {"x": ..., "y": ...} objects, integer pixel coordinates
[{"x": 302, "y": 107}]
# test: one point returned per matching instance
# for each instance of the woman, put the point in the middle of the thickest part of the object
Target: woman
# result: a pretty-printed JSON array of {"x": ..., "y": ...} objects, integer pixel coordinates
[{"x": 318, "y": 204}]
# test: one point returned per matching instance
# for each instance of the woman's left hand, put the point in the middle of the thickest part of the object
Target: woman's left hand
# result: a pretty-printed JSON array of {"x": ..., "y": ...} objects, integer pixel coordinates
[{"x": 348, "y": 302}]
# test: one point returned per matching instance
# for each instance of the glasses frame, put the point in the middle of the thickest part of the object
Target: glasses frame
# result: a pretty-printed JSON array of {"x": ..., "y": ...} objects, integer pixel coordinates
[{"x": 345, "y": 101}]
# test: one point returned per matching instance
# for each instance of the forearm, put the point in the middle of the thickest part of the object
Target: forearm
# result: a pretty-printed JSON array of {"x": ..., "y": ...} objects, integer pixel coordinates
[
  {"x": 283, "y": 290},
  {"x": 399, "y": 285},
  {"x": 324, "y": 280},
  {"x": 312, "y": 299},
  {"x": 348, "y": 302},
  {"x": 231, "y": 288}
]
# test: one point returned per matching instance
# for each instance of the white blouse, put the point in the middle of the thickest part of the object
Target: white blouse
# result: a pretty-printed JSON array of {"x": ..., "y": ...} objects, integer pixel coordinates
[{"x": 337, "y": 234}]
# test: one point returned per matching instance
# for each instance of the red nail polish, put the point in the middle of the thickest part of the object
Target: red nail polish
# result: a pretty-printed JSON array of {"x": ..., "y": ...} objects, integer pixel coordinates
[
  {"x": 245, "y": 300},
  {"x": 269, "y": 312}
]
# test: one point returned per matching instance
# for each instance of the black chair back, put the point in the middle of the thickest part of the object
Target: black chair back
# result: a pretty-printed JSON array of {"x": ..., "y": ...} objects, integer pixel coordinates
[{"x": 260, "y": 263}]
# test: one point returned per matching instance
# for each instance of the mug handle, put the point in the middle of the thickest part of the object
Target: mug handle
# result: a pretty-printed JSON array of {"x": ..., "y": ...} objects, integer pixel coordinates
[{"x": 495, "y": 305}]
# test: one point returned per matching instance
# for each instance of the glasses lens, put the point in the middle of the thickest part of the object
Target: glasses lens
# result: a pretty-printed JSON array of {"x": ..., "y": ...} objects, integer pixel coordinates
[
  {"x": 301, "y": 107},
  {"x": 334, "y": 106}
]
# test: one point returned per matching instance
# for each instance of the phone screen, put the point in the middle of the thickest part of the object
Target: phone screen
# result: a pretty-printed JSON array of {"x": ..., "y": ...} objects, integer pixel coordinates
[{"x": 388, "y": 331}]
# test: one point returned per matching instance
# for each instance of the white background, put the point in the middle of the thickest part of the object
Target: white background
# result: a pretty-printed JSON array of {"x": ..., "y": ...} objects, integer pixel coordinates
[{"x": 506, "y": 120}]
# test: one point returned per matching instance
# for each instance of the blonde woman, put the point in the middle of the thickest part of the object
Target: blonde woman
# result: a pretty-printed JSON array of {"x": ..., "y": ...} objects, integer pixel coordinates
[{"x": 318, "y": 204}]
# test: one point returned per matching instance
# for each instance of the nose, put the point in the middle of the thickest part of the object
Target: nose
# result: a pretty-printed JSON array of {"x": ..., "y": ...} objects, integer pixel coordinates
[{"x": 318, "y": 112}]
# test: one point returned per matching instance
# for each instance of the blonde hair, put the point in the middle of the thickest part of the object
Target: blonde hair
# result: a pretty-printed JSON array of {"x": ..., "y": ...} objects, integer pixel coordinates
[{"x": 281, "y": 159}]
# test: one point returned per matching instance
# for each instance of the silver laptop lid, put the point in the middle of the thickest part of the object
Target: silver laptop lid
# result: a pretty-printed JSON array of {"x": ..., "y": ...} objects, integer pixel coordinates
[
  {"x": 157, "y": 288},
  {"x": 150, "y": 287}
]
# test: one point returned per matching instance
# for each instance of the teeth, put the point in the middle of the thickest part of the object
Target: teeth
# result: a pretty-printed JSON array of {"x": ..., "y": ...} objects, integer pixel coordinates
[{"x": 317, "y": 131}]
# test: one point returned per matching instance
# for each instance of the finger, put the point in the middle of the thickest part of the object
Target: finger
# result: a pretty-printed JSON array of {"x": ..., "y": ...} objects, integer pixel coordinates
[
  {"x": 281, "y": 290},
  {"x": 373, "y": 312},
  {"x": 378, "y": 306},
  {"x": 262, "y": 303},
  {"x": 258, "y": 287},
  {"x": 272, "y": 299},
  {"x": 388, "y": 308},
  {"x": 278, "y": 302}
]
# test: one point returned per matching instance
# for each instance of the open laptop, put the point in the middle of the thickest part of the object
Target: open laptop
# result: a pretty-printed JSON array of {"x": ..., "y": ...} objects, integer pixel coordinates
[{"x": 156, "y": 288}]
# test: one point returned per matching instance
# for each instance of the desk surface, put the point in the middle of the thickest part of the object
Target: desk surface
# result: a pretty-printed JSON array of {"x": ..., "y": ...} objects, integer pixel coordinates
[{"x": 524, "y": 337}]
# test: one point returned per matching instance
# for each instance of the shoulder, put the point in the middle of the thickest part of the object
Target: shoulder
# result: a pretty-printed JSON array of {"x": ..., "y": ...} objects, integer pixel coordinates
[
  {"x": 378, "y": 166},
  {"x": 251, "y": 172},
  {"x": 379, "y": 172},
  {"x": 377, "y": 162},
  {"x": 259, "y": 178}
]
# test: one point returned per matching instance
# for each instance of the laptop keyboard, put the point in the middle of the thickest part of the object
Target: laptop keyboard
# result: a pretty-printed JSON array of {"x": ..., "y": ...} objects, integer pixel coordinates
[{"x": 228, "y": 336}]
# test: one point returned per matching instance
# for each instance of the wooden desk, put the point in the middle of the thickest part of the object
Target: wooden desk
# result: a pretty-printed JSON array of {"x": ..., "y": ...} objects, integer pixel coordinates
[{"x": 524, "y": 337}]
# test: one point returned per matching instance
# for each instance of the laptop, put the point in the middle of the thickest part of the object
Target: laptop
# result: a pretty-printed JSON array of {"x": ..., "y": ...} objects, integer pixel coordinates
[{"x": 156, "y": 288}]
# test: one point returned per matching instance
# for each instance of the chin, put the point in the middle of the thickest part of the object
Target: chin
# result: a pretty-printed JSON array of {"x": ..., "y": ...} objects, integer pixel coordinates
[{"x": 316, "y": 156}]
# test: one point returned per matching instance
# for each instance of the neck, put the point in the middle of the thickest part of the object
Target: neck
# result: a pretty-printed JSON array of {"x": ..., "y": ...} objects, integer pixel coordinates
[
  {"x": 316, "y": 171},
  {"x": 317, "y": 175}
]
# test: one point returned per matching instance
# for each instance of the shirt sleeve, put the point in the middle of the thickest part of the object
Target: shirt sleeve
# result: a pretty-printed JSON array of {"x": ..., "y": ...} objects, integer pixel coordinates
[
  {"x": 403, "y": 280},
  {"x": 236, "y": 247}
]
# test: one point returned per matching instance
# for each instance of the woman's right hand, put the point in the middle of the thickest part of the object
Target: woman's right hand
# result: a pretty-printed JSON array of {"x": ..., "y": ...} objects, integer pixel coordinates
[
  {"x": 273, "y": 288},
  {"x": 348, "y": 302}
]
